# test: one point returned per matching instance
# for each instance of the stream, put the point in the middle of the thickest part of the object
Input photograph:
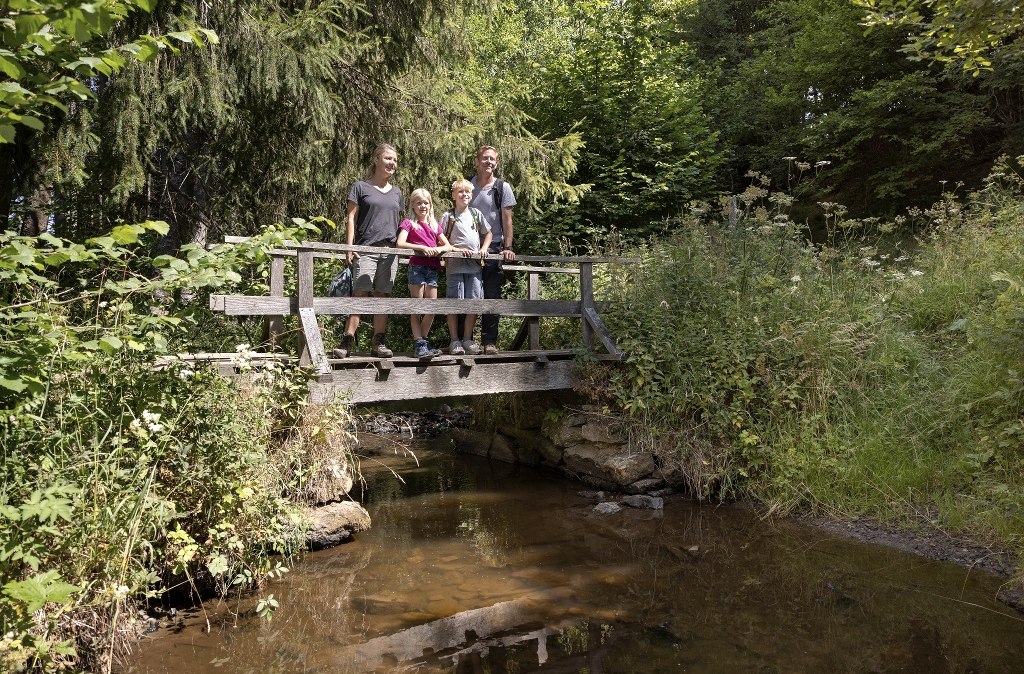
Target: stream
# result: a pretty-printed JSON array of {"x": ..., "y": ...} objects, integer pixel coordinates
[{"x": 474, "y": 566}]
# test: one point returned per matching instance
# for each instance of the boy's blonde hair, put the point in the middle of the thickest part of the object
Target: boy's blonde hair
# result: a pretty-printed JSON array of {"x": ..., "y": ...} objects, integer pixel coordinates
[
  {"x": 461, "y": 184},
  {"x": 421, "y": 194}
]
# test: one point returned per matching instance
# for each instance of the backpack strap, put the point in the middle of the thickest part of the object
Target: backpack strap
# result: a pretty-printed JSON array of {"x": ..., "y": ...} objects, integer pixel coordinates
[{"x": 499, "y": 193}]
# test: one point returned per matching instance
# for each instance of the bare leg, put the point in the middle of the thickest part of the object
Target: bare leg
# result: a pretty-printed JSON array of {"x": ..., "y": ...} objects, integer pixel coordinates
[
  {"x": 467, "y": 330},
  {"x": 352, "y": 324},
  {"x": 415, "y": 323},
  {"x": 430, "y": 293},
  {"x": 380, "y": 321}
]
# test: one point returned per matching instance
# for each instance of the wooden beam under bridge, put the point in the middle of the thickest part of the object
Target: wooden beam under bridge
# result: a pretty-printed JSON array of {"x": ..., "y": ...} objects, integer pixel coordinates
[{"x": 446, "y": 376}]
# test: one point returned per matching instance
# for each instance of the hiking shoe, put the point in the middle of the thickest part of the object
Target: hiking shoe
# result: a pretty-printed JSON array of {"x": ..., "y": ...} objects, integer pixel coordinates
[
  {"x": 490, "y": 349},
  {"x": 471, "y": 347},
  {"x": 378, "y": 349},
  {"x": 421, "y": 349},
  {"x": 456, "y": 348},
  {"x": 348, "y": 343}
]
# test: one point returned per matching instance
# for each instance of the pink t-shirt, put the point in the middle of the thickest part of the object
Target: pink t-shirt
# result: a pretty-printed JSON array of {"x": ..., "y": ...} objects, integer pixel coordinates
[{"x": 422, "y": 234}]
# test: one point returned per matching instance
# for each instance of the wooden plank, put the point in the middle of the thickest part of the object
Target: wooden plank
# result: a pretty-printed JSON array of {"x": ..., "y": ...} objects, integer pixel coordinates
[
  {"x": 314, "y": 342},
  {"x": 304, "y": 276},
  {"x": 405, "y": 383},
  {"x": 541, "y": 270},
  {"x": 533, "y": 292},
  {"x": 253, "y": 305},
  {"x": 587, "y": 301},
  {"x": 590, "y": 316},
  {"x": 408, "y": 360},
  {"x": 275, "y": 324},
  {"x": 342, "y": 248},
  {"x": 405, "y": 306}
]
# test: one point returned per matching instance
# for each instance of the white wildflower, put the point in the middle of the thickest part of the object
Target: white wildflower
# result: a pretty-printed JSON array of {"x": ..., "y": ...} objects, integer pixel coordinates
[
  {"x": 795, "y": 278},
  {"x": 868, "y": 262},
  {"x": 916, "y": 272},
  {"x": 902, "y": 258},
  {"x": 823, "y": 162},
  {"x": 789, "y": 159},
  {"x": 186, "y": 373}
]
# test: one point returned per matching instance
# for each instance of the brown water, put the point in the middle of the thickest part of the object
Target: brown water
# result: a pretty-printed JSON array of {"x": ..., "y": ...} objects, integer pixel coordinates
[{"x": 485, "y": 567}]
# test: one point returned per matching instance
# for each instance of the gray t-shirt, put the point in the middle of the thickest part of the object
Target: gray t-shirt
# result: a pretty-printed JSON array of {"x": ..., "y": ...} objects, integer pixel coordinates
[
  {"x": 462, "y": 233},
  {"x": 378, "y": 215},
  {"x": 483, "y": 200}
]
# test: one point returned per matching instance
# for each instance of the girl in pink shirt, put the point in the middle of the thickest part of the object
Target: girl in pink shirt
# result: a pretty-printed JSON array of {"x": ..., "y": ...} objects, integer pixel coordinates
[{"x": 421, "y": 233}]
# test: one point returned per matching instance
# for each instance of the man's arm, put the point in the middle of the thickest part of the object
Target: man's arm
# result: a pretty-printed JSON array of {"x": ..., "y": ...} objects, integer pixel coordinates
[{"x": 506, "y": 228}]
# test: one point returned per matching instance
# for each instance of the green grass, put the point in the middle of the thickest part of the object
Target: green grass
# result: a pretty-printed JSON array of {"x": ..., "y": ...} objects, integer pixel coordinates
[{"x": 839, "y": 377}]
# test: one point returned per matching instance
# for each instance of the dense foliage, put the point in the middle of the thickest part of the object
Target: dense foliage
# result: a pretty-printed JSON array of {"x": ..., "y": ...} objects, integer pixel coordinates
[
  {"x": 123, "y": 475},
  {"x": 850, "y": 376},
  {"x": 813, "y": 359}
]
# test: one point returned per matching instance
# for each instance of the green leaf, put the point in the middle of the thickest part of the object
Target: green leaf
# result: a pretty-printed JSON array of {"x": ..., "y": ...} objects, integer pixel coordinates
[
  {"x": 6, "y": 133},
  {"x": 32, "y": 122},
  {"x": 111, "y": 344},
  {"x": 10, "y": 67},
  {"x": 15, "y": 385},
  {"x": 125, "y": 234},
  {"x": 41, "y": 589}
]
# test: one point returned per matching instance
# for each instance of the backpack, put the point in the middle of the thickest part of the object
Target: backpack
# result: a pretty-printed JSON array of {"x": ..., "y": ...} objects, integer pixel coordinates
[
  {"x": 478, "y": 220},
  {"x": 341, "y": 284}
]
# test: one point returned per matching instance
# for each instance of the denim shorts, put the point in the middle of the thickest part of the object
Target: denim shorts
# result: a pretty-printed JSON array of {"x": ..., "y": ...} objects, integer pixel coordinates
[
  {"x": 422, "y": 275},
  {"x": 374, "y": 273},
  {"x": 466, "y": 286}
]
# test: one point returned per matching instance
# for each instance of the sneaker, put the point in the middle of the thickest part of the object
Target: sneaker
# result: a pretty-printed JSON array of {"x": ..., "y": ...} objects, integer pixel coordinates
[
  {"x": 346, "y": 348},
  {"x": 490, "y": 350},
  {"x": 431, "y": 351},
  {"x": 471, "y": 347},
  {"x": 456, "y": 349},
  {"x": 378, "y": 349},
  {"x": 421, "y": 349}
]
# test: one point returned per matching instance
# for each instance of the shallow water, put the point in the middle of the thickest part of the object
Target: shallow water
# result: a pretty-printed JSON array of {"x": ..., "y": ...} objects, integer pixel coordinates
[{"x": 486, "y": 567}]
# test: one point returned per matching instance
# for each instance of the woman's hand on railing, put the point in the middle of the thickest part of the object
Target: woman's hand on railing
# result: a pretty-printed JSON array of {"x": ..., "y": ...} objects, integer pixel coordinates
[{"x": 351, "y": 256}]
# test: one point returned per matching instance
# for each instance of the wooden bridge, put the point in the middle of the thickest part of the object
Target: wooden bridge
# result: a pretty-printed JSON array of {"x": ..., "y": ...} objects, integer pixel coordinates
[{"x": 362, "y": 379}]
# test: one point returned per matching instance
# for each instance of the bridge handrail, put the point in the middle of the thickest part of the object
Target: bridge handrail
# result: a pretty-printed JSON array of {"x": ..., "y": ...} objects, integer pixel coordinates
[
  {"x": 307, "y": 305},
  {"x": 337, "y": 250}
]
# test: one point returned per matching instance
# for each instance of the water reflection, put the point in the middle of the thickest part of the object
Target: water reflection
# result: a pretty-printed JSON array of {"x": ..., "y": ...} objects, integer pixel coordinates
[{"x": 477, "y": 567}]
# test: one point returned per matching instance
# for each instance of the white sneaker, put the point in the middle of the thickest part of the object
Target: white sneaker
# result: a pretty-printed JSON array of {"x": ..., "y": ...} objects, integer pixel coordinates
[
  {"x": 456, "y": 349},
  {"x": 471, "y": 347}
]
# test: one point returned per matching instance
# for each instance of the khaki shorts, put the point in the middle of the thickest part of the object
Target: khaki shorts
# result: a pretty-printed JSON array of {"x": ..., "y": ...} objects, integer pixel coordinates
[{"x": 374, "y": 273}]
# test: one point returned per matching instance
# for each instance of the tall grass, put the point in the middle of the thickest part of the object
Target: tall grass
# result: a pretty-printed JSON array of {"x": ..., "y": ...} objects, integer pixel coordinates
[{"x": 848, "y": 375}]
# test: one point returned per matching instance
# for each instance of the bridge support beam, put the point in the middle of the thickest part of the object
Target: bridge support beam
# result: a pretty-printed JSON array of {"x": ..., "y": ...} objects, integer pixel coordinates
[{"x": 372, "y": 384}]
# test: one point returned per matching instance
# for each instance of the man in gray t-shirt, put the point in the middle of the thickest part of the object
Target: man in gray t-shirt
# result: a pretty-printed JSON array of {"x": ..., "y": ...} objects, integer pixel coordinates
[{"x": 493, "y": 197}]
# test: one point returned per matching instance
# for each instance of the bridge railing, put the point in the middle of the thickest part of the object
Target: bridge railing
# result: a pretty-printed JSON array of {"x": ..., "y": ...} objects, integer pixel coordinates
[{"x": 307, "y": 305}]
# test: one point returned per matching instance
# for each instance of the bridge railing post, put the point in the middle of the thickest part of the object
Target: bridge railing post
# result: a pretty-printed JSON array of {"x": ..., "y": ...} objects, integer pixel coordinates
[
  {"x": 587, "y": 301},
  {"x": 275, "y": 324}
]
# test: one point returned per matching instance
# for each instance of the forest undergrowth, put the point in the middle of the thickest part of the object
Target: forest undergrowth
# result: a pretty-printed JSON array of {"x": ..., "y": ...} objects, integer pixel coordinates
[
  {"x": 125, "y": 478},
  {"x": 863, "y": 374}
]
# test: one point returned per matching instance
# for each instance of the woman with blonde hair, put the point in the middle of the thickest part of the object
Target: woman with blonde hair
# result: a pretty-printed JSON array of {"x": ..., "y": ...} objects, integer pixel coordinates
[{"x": 374, "y": 210}]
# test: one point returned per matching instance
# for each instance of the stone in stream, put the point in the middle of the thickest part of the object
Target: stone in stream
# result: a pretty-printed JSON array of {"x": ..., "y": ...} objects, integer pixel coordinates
[
  {"x": 644, "y": 502},
  {"x": 607, "y": 508},
  {"x": 646, "y": 486},
  {"x": 335, "y": 523}
]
